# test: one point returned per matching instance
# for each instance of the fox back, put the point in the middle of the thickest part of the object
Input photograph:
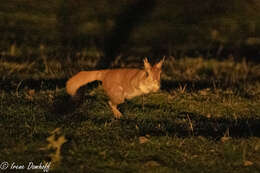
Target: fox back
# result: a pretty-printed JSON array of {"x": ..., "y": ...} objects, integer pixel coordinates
[{"x": 120, "y": 84}]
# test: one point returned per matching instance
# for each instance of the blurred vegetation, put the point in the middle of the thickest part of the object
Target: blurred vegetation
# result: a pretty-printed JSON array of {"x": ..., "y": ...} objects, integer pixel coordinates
[{"x": 106, "y": 28}]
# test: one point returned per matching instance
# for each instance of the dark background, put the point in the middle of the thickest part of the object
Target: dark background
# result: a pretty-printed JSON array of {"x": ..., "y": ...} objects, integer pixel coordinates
[{"x": 109, "y": 28}]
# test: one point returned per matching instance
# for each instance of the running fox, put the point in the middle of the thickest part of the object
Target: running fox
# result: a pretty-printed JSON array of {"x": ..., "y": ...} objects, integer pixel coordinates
[{"x": 120, "y": 84}]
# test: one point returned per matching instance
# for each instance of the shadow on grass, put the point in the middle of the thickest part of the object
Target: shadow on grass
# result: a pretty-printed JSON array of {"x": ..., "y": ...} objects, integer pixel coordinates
[
  {"x": 64, "y": 105},
  {"x": 170, "y": 85},
  {"x": 190, "y": 86},
  {"x": 195, "y": 85},
  {"x": 181, "y": 124},
  {"x": 186, "y": 124},
  {"x": 8, "y": 84}
]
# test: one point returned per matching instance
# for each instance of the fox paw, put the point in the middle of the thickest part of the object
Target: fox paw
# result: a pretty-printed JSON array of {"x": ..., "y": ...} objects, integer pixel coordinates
[{"x": 117, "y": 115}]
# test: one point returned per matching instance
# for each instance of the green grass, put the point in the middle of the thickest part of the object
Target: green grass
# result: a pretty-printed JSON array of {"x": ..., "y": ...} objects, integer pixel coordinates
[{"x": 206, "y": 118}]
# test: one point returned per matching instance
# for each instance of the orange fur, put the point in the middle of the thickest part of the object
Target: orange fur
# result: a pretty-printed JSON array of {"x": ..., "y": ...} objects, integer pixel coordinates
[{"x": 120, "y": 84}]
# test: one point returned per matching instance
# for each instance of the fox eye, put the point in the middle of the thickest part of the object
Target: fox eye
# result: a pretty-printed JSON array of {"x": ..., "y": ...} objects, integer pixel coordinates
[{"x": 146, "y": 74}]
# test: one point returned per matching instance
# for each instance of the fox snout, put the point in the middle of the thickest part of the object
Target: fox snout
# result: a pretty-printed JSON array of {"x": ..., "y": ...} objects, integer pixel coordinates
[{"x": 156, "y": 87}]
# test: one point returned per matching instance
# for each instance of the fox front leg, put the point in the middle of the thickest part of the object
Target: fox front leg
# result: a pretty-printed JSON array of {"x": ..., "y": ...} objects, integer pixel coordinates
[
  {"x": 116, "y": 95},
  {"x": 116, "y": 112}
]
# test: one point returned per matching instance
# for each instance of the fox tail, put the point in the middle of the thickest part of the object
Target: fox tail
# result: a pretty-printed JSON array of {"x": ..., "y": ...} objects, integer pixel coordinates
[{"x": 82, "y": 78}]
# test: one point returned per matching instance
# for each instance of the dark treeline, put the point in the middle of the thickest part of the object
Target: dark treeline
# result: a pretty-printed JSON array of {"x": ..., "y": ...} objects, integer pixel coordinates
[{"x": 142, "y": 28}]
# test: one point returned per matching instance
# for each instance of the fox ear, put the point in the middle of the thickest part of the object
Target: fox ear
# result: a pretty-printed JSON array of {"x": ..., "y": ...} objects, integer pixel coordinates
[
  {"x": 147, "y": 65},
  {"x": 159, "y": 64}
]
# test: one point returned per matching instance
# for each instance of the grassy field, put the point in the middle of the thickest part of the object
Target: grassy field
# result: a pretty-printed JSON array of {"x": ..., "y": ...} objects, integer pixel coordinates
[{"x": 206, "y": 118}]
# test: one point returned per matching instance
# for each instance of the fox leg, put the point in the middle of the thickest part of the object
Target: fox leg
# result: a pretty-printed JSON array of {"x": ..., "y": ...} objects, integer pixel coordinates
[
  {"x": 116, "y": 112},
  {"x": 116, "y": 95}
]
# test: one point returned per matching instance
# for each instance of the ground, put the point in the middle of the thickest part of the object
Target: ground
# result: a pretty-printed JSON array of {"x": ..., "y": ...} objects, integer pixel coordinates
[{"x": 206, "y": 118}]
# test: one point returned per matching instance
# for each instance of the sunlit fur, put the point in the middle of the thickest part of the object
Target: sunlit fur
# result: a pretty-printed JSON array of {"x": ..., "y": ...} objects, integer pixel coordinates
[{"x": 120, "y": 84}]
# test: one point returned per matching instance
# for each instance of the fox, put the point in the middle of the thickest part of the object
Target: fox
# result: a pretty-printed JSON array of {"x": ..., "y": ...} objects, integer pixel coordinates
[{"x": 120, "y": 84}]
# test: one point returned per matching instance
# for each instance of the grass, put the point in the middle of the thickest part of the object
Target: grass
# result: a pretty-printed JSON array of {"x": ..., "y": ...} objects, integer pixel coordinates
[{"x": 206, "y": 118}]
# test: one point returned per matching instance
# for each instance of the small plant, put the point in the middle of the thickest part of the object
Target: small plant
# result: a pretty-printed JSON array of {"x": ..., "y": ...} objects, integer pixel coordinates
[{"x": 55, "y": 142}]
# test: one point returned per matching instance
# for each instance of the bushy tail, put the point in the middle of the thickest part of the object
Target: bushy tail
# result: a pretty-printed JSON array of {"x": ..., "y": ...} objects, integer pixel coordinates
[{"x": 81, "y": 79}]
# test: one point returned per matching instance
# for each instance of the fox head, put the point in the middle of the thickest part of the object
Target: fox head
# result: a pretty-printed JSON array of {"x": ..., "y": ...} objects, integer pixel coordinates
[{"x": 152, "y": 75}]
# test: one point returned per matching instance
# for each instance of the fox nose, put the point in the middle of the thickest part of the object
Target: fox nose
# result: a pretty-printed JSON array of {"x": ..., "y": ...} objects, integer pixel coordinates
[{"x": 156, "y": 87}]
